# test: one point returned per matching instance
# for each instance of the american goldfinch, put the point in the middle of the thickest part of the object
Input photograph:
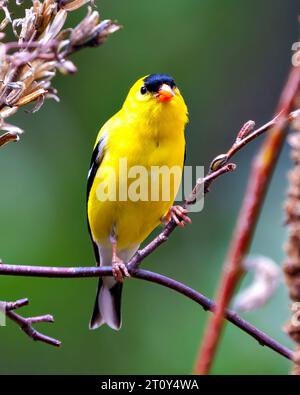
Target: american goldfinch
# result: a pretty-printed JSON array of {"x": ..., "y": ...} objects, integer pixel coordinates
[{"x": 147, "y": 132}]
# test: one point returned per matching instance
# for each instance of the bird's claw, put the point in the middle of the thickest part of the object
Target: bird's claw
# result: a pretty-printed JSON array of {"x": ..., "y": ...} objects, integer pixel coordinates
[
  {"x": 178, "y": 214},
  {"x": 119, "y": 270}
]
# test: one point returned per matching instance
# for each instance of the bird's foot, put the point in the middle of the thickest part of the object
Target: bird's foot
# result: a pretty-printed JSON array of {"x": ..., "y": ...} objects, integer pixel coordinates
[
  {"x": 119, "y": 270},
  {"x": 178, "y": 214}
]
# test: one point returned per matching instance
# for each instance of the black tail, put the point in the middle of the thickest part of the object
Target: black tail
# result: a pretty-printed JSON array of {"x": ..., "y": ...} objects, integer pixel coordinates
[{"x": 107, "y": 309}]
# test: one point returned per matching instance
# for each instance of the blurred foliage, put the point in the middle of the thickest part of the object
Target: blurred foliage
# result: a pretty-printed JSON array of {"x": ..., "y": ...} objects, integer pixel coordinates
[{"x": 230, "y": 60}]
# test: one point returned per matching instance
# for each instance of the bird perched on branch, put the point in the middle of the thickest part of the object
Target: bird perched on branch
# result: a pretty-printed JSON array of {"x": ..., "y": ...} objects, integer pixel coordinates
[{"x": 128, "y": 193}]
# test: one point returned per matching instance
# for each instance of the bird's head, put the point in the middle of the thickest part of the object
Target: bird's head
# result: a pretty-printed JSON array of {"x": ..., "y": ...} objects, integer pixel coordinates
[{"x": 157, "y": 94}]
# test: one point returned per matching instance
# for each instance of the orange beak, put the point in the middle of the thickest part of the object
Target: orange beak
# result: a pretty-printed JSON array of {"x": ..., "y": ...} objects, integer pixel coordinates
[{"x": 165, "y": 93}]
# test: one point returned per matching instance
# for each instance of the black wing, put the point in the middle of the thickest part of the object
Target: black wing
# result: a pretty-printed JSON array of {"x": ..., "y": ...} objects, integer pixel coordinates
[{"x": 96, "y": 160}]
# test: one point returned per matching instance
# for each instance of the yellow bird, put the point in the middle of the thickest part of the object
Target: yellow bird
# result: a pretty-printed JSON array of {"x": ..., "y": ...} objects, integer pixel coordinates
[{"x": 145, "y": 135}]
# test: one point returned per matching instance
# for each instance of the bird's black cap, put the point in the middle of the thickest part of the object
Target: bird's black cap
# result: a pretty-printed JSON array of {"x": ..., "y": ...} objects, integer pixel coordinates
[{"x": 154, "y": 81}]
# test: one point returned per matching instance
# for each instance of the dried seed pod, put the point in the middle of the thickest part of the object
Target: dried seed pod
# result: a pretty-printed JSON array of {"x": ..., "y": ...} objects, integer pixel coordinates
[
  {"x": 31, "y": 97},
  {"x": 67, "y": 67},
  {"x": 7, "y": 138},
  {"x": 83, "y": 31},
  {"x": 38, "y": 104},
  {"x": 7, "y": 17},
  {"x": 12, "y": 129},
  {"x": 71, "y": 5},
  {"x": 28, "y": 67},
  {"x": 8, "y": 111},
  {"x": 53, "y": 30},
  {"x": 102, "y": 31}
]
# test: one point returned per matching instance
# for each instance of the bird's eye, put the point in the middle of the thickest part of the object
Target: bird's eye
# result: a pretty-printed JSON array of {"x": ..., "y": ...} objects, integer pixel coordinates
[{"x": 143, "y": 90}]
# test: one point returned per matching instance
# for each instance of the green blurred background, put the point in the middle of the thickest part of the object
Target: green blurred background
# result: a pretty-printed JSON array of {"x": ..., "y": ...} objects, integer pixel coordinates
[{"x": 230, "y": 59}]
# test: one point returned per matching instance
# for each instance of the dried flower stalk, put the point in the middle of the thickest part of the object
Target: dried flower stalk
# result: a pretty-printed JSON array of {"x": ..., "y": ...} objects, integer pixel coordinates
[
  {"x": 291, "y": 265},
  {"x": 43, "y": 46}
]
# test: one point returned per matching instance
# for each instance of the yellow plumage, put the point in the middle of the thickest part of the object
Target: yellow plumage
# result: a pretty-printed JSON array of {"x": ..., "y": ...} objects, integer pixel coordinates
[{"x": 146, "y": 132}]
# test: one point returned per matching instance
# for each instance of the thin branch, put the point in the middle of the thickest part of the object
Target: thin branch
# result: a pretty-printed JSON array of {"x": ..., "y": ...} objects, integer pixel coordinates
[
  {"x": 137, "y": 259},
  {"x": 218, "y": 167},
  {"x": 17, "y": 304},
  {"x": 84, "y": 272},
  {"x": 261, "y": 172},
  {"x": 243, "y": 139},
  {"x": 25, "y": 323}
]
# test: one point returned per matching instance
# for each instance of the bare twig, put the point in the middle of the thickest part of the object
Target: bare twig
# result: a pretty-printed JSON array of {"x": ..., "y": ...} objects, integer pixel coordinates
[
  {"x": 218, "y": 167},
  {"x": 16, "y": 305},
  {"x": 137, "y": 259},
  {"x": 262, "y": 168},
  {"x": 85, "y": 272},
  {"x": 26, "y": 323}
]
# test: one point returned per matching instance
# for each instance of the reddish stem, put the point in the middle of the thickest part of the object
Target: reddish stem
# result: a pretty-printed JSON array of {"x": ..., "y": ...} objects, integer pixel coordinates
[{"x": 262, "y": 168}]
